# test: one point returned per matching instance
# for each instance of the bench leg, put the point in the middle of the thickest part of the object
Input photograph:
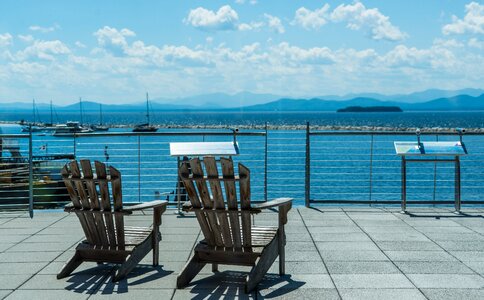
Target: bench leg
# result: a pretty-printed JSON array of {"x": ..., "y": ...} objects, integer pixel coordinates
[
  {"x": 262, "y": 265},
  {"x": 70, "y": 266},
  {"x": 191, "y": 269}
]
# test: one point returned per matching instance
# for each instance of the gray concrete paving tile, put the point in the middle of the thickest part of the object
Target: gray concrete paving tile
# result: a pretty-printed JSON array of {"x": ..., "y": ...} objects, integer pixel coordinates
[
  {"x": 11, "y": 281},
  {"x": 141, "y": 278},
  {"x": 374, "y": 294},
  {"x": 327, "y": 294},
  {"x": 5, "y": 246},
  {"x": 361, "y": 267},
  {"x": 134, "y": 294},
  {"x": 419, "y": 256},
  {"x": 300, "y": 246},
  {"x": 356, "y": 246},
  {"x": 22, "y": 257},
  {"x": 12, "y": 239},
  {"x": 21, "y": 268},
  {"x": 452, "y": 294},
  {"x": 392, "y": 237},
  {"x": 447, "y": 281},
  {"x": 4, "y": 293},
  {"x": 353, "y": 255},
  {"x": 298, "y": 237},
  {"x": 440, "y": 229},
  {"x": 469, "y": 255},
  {"x": 408, "y": 245},
  {"x": 47, "y": 295},
  {"x": 380, "y": 223},
  {"x": 329, "y": 223},
  {"x": 456, "y": 237},
  {"x": 302, "y": 256},
  {"x": 332, "y": 229},
  {"x": 300, "y": 267},
  {"x": 477, "y": 266},
  {"x": 86, "y": 268},
  {"x": 433, "y": 267},
  {"x": 338, "y": 237},
  {"x": 462, "y": 245},
  {"x": 41, "y": 247},
  {"x": 52, "y": 238},
  {"x": 368, "y": 281}
]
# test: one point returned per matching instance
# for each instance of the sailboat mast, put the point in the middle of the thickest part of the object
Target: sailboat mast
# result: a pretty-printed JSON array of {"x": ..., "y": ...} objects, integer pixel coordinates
[
  {"x": 51, "y": 115},
  {"x": 147, "y": 109},
  {"x": 100, "y": 114},
  {"x": 80, "y": 106},
  {"x": 33, "y": 109}
]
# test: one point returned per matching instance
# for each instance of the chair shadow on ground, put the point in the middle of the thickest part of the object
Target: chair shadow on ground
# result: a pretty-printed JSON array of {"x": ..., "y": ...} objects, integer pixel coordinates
[
  {"x": 101, "y": 282},
  {"x": 231, "y": 284}
]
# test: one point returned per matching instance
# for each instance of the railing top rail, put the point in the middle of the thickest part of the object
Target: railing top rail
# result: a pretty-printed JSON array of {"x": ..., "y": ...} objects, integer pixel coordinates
[
  {"x": 183, "y": 133},
  {"x": 340, "y": 132}
]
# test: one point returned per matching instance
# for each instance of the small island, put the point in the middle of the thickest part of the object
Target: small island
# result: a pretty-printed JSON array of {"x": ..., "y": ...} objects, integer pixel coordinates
[{"x": 370, "y": 109}]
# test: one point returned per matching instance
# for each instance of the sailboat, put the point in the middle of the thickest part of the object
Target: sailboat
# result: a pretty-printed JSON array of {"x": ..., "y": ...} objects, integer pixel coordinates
[
  {"x": 71, "y": 128},
  {"x": 34, "y": 126},
  {"x": 100, "y": 127},
  {"x": 146, "y": 127}
]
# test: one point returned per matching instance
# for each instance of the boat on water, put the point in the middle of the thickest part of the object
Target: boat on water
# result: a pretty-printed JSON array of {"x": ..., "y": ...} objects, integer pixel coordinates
[
  {"x": 100, "y": 126},
  {"x": 39, "y": 126},
  {"x": 146, "y": 127},
  {"x": 71, "y": 128},
  {"x": 47, "y": 185}
]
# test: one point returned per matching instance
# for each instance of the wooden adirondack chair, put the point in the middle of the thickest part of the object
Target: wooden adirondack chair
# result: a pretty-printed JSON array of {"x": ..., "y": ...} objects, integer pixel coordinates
[
  {"x": 230, "y": 238},
  {"x": 107, "y": 239}
]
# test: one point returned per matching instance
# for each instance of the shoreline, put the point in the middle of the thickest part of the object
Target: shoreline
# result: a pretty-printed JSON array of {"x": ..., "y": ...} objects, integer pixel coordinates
[{"x": 297, "y": 127}]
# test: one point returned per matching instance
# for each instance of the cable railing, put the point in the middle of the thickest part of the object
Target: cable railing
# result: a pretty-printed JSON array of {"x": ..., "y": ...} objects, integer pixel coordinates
[{"x": 311, "y": 166}]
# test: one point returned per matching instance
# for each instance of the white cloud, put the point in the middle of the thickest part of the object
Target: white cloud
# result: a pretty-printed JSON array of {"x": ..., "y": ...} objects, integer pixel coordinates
[
  {"x": 26, "y": 38},
  {"x": 225, "y": 18},
  {"x": 46, "y": 50},
  {"x": 250, "y": 26},
  {"x": 316, "y": 55},
  {"x": 309, "y": 19},
  {"x": 475, "y": 43},
  {"x": 253, "y": 2},
  {"x": 43, "y": 29},
  {"x": 113, "y": 39},
  {"x": 79, "y": 44},
  {"x": 5, "y": 39},
  {"x": 359, "y": 17},
  {"x": 473, "y": 21},
  {"x": 274, "y": 23}
]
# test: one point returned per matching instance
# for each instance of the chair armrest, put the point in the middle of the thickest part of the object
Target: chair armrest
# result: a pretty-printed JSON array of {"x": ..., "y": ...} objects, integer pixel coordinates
[
  {"x": 151, "y": 204},
  {"x": 272, "y": 203}
]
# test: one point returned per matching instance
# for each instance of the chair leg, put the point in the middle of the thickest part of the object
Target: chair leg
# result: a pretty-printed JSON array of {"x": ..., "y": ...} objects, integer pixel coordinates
[
  {"x": 262, "y": 265},
  {"x": 191, "y": 269},
  {"x": 70, "y": 266},
  {"x": 156, "y": 247},
  {"x": 282, "y": 253},
  {"x": 214, "y": 267},
  {"x": 133, "y": 259}
]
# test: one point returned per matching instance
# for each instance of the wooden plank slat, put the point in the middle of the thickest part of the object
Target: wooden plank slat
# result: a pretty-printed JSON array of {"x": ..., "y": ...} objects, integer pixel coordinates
[
  {"x": 218, "y": 198},
  {"x": 231, "y": 196},
  {"x": 94, "y": 201},
  {"x": 118, "y": 204},
  {"x": 106, "y": 202},
  {"x": 75, "y": 199},
  {"x": 204, "y": 195},
  {"x": 195, "y": 201},
  {"x": 244, "y": 190},
  {"x": 93, "y": 237}
]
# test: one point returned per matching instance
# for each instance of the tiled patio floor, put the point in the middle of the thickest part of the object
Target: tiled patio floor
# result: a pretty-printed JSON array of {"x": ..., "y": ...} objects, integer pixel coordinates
[{"x": 332, "y": 253}]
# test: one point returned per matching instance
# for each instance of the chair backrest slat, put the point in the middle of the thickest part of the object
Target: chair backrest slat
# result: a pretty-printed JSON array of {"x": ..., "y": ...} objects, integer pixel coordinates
[
  {"x": 231, "y": 197},
  {"x": 184, "y": 173},
  {"x": 218, "y": 199},
  {"x": 105, "y": 201},
  {"x": 208, "y": 204},
  {"x": 94, "y": 201},
  {"x": 244, "y": 189},
  {"x": 91, "y": 199},
  {"x": 118, "y": 205}
]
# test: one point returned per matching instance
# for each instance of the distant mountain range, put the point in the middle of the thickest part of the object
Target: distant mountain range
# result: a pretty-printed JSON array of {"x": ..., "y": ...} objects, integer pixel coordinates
[{"x": 442, "y": 100}]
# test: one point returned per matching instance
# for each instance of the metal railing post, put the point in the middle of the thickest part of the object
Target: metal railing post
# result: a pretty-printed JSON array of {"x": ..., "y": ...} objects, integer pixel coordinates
[
  {"x": 139, "y": 168},
  {"x": 74, "y": 146},
  {"x": 308, "y": 167},
  {"x": 371, "y": 168},
  {"x": 31, "y": 177},
  {"x": 435, "y": 176},
  {"x": 265, "y": 166}
]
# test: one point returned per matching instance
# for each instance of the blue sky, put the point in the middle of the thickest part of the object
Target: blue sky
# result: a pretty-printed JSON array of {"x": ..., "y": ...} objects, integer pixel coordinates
[{"x": 115, "y": 51}]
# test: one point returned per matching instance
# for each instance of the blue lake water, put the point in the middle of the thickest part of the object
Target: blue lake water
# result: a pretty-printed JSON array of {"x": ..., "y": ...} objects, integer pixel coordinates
[{"x": 347, "y": 167}]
